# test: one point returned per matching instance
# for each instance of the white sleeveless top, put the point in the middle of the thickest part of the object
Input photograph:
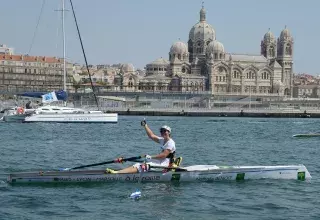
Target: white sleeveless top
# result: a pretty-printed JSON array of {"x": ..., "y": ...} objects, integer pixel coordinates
[{"x": 169, "y": 145}]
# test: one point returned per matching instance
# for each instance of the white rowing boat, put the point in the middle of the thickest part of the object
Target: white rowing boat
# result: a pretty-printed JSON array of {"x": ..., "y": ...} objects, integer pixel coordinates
[
  {"x": 185, "y": 174},
  {"x": 307, "y": 135}
]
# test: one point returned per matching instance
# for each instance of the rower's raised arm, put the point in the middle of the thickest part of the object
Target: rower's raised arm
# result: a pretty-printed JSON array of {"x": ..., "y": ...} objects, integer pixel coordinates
[{"x": 150, "y": 134}]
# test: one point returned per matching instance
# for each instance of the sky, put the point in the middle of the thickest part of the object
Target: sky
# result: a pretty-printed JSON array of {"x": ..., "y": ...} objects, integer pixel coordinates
[{"x": 140, "y": 31}]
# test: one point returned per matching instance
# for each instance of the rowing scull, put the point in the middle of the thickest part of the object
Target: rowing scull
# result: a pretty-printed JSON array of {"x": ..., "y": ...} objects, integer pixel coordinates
[{"x": 185, "y": 174}]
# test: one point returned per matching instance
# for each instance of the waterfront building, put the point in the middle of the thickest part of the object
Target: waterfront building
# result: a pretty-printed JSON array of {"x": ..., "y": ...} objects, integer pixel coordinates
[
  {"x": 306, "y": 91},
  {"x": 21, "y": 73}
]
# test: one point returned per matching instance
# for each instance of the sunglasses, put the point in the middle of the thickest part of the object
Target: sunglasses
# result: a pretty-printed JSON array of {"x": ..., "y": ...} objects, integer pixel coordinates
[{"x": 163, "y": 130}]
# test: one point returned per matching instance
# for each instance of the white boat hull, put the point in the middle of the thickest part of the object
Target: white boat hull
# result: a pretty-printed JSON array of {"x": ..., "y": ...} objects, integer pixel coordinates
[
  {"x": 191, "y": 173},
  {"x": 11, "y": 115},
  {"x": 74, "y": 118},
  {"x": 307, "y": 135},
  {"x": 14, "y": 118}
]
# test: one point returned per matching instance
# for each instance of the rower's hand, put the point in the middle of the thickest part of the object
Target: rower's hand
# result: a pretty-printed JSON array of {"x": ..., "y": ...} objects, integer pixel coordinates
[
  {"x": 148, "y": 157},
  {"x": 119, "y": 160},
  {"x": 143, "y": 122}
]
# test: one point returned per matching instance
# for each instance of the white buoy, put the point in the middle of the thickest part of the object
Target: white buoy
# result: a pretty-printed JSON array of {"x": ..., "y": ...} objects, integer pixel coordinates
[{"x": 135, "y": 195}]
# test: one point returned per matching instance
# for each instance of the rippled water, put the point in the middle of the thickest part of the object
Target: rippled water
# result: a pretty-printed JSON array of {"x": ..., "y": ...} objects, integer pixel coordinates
[{"x": 221, "y": 141}]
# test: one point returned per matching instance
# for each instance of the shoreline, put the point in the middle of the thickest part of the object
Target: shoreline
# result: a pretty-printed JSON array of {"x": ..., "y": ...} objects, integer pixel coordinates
[{"x": 222, "y": 113}]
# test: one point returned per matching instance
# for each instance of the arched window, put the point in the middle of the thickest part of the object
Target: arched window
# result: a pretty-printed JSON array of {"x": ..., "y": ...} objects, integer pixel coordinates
[
  {"x": 271, "y": 51},
  {"x": 288, "y": 49},
  {"x": 265, "y": 75},
  {"x": 236, "y": 74},
  {"x": 199, "y": 47}
]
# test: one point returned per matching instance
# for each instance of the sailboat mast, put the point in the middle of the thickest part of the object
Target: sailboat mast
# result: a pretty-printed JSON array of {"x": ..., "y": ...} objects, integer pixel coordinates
[
  {"x": 84, "y": 55},
  {"x": 64, "y": 51}
]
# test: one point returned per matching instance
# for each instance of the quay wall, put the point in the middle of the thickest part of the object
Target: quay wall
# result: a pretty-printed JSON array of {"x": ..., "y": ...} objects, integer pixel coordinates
[{"x": 222, "y": 113}]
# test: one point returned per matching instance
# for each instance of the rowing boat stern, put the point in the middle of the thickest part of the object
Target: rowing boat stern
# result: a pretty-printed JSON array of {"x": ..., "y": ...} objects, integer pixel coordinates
[{"x": 303, "y": 173}]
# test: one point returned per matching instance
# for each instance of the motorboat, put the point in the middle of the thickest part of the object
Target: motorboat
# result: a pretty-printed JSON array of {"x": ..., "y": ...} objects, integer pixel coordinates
[{"x": 70, "y": 115}]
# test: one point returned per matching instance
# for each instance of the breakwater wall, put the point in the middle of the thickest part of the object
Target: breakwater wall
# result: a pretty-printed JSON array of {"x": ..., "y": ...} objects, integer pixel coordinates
[{"x": 269, "y": 114}]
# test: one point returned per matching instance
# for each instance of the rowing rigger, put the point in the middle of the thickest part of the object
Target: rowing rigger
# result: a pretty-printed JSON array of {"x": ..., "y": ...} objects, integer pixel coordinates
[{"x": 157, "y": 174}]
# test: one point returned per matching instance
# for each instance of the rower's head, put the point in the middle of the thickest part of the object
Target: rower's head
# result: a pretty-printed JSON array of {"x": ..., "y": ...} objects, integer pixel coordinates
[{"x": 165, "y": 130}]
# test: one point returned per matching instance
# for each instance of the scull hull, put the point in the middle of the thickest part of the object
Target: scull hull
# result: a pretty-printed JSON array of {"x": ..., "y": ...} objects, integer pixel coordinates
[
  {"x": 307, "y": 135},
  {"x": 191, "y": 173}
]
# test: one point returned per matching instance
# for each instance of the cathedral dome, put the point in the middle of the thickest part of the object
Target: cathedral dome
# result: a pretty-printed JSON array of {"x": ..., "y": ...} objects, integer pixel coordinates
[
  {"x": 215, "y": 50},
  {"x": 285, "y": 34},
  {"x": 159, "y": 66},
  {"x": 179, "y": 48},
  {"x": 127, "y": 67},
  {"x": 269, "y": 37},
  {"x": 215, "y": 46},
  {"x": 202, "y": 30}
]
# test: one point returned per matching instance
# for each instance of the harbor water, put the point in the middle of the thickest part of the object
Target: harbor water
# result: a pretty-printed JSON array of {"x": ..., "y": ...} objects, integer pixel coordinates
[{"x": 199, "y": 140}]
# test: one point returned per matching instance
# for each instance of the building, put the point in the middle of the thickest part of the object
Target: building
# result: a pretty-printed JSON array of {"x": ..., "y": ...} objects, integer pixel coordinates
[
  {"x": 21, "y": 73},
  {"x": 113, "y": 77},
  {"x": 204, "y": 65},
  {"x": 306, "y": 91},
  {"x": 200, "y": 65},
  {"x": 6, "y": 50}
]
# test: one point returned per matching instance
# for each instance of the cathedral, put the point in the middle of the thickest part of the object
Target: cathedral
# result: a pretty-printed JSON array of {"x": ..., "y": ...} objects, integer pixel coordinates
[{"x": 203, "y": 65}]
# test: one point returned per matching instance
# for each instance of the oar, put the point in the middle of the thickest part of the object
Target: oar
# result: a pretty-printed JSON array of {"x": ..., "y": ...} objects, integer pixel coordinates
[{"x": 107, "y": 162}]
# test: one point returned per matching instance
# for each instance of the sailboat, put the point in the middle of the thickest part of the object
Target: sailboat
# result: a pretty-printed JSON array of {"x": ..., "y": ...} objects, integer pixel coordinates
[{"x": 50, "y": 113}]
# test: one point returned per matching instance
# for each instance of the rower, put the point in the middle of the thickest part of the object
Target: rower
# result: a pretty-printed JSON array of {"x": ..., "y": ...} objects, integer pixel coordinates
[{"x": 164, "y": 158}]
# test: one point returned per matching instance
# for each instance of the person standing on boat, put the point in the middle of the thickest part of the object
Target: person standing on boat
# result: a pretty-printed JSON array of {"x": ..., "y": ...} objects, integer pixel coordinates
[
  {"x": 164, "y": 158},
  {"x": 28, "y": 105}
]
